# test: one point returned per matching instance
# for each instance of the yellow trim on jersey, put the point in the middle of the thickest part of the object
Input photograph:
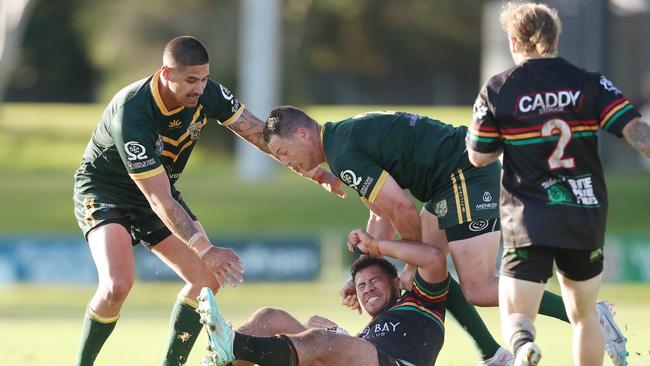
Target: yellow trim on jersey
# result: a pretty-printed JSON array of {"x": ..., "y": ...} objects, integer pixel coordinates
[
  {"x": 605, "y": 119},
  {"x": 187, "y": 132},
  {"x": 188, "y": 301},
  {"x": 457, "y": 197},
  {"x": 234, "y": 117},
  {"x": 156, "y": 96},
  {"x": 101, "y": 319},
  {"x": 468, "y": 212},
  {"x": 173, "y": 156},
  {"x": 375, "y": 190},
  {"x": 148, "y": 173}
]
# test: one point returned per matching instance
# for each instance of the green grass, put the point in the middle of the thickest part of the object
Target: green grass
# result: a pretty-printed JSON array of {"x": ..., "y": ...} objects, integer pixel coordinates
[{"x": 41, "y": 325}]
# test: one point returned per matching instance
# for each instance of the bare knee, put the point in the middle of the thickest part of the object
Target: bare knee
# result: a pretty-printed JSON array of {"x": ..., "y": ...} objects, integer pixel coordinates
[
  {"x": 477, "y": 295},
  {"x": 270, "y": 315},
  {"x": 115, "y": 290}
]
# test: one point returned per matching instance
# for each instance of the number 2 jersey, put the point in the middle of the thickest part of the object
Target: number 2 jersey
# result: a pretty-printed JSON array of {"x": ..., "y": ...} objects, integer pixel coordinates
[{"x": 545, "y": 114}]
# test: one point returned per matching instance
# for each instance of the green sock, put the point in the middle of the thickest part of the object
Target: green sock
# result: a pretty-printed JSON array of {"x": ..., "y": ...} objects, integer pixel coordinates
[
  {"x": 184, "y": 328},
  {"x": 467, "y": 316},
  {"x": 553, "y": 306},
  {"x": 94, "y": 332}
]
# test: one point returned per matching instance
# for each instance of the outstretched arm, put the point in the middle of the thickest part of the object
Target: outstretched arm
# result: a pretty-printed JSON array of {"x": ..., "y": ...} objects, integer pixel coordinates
[
  {"x": 249, "y": 128},
  {"x": 479, "y": 159},
  {"x": 637, "y": 134}
]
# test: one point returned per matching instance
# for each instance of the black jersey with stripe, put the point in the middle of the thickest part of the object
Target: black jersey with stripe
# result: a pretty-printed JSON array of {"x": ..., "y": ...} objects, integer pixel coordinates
[
  {"x": 137, "y": 137},
  {"x": 412, "y": 330},
  {"x": 545, "y": 115},
  {"x": 418, "y": 152}
]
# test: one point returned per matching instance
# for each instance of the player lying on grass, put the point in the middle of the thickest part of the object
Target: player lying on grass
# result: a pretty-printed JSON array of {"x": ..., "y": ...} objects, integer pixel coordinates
[{"x": 406, "y": 328}]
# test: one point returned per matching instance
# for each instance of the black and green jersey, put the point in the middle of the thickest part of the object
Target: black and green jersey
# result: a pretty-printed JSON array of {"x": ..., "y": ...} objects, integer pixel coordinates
[
  {"x": 418, "y": 152},
  {"x": 545, "y": 114},
  {"x": 138, "y": 137}
]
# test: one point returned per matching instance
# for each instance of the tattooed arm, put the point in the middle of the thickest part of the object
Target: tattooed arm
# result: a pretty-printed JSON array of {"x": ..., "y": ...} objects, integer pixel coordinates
[
  {"x": 637, "y": 134},
  {"x": 249, "y": 128}
]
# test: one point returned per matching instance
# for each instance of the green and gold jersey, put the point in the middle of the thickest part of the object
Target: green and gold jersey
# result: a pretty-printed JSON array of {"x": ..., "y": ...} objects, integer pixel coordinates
[
  {"x": 138, "y": 137},
  {"x": 418, "y": 152}
]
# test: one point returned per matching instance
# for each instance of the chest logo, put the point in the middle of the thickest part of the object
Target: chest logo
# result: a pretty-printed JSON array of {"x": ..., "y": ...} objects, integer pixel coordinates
[
  {"x": 350, "y": 178},
  {"x": 174, "y": 124},
  {"x": 135, "y": 151},
  {"x": 194, "y": 129}
]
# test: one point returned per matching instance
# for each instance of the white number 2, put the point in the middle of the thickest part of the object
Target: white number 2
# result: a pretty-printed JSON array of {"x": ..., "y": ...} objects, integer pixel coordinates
[{"x": 557, "y": 159}]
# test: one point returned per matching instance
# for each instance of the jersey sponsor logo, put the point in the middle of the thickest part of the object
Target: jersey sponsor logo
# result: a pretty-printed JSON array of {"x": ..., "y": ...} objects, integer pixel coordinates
[
  {"x": 226, "y": 93},
  {"x": 379, "y": 329},
  {"x": 609, "y": 86},
  {"x": 174, "y": 124},
  {"x": 441, "y": 208},
  {"x": 478, "y": 225},
  {"x": 366, "y": 185},
  {"x": 479, "y": 110},
  {"x": 577, "y": 191},
  {"x": 350, "y": 178},
  {"x": 487, "y": 197},
  {"x": 135, "y": 151},
  {"x": 549, "y": 102}
]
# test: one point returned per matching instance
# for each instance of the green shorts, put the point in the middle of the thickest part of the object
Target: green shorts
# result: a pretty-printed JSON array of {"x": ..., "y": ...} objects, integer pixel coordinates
[
  {"x": 94, "y": 209},
  {"x": 469, "y": 195}
]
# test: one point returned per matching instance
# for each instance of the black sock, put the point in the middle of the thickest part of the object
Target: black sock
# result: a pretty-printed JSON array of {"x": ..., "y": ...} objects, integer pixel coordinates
[{"x": 265, "y": 351}]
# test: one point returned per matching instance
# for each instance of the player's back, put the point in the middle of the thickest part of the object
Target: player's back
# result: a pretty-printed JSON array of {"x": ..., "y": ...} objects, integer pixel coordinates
[{"x": 548, "y": 113}]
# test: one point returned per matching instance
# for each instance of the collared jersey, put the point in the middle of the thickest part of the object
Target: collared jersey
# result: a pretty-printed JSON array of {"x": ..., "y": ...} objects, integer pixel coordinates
[
  {"x": 137, "y": 137},
  {"x": 418, "y": 152},
  {"x": 412, "y": 330},
  {"x": 545, "y": 114}
]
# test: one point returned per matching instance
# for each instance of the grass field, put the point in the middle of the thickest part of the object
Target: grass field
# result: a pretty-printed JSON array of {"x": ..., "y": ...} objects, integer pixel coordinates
[
  {"x": 40, "y": 326},
  {"x": 40, "y": 147}
]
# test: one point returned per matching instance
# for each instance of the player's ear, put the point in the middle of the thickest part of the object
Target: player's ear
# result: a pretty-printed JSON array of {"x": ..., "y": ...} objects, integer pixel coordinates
[
  {"x": 166, "y": 72},
  {"x": 301, "y": 132}
]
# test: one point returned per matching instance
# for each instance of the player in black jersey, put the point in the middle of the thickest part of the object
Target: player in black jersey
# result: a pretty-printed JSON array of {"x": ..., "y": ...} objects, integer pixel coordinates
[
  {"x": 544, "y": 115},
  {"x": 124, "y": 192},
  {"x": 406, "y": 329}
]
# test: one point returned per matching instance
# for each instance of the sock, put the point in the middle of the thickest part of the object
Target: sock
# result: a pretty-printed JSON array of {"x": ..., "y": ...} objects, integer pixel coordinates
[
  {"x": 520, "y": 338},
  {"x": 94, "y": 332},
  {"x": 553, "y": 306},
  {"x": 184, "y": 328},
  {"x": 265, "y": 351},
  {"x": 467, "y": 316}
]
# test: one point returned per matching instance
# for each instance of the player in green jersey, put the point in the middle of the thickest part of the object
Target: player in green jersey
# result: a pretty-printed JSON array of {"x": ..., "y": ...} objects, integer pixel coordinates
[{"x": 124, "y": 192}]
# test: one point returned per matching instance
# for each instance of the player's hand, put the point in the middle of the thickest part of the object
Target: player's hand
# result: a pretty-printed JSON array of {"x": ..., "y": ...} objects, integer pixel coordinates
[
  {"x": 332, "y": 184},
  {"x": 225, "y": 265},
  {"x": 320, "y": 322},
  {"x": 407, "y": 277},
  {"x": 349, "y": 296},
  {"x": 360, "y": 240}
]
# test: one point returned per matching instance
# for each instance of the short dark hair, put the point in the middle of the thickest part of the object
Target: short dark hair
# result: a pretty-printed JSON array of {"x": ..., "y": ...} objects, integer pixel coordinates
[
  {"x": 284, "y": 121},
  {"x": 366, "y": 261},
  {"x": 185, "y": 51}
]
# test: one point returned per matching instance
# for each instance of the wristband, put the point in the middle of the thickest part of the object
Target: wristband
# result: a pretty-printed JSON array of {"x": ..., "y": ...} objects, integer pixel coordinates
[{"x": 201, "y": 248}]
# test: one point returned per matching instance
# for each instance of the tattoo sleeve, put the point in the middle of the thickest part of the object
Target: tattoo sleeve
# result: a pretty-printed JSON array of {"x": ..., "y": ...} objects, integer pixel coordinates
[
  {"x": 179, "y": 222},
  {"x": 637, "y": 134},
  {"x": 249, "y": 128}
]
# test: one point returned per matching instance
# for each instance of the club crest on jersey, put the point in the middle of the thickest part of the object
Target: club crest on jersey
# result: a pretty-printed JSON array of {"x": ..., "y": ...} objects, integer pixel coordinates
[
  {"x": 479, "y": 110},
  {"x": 194, "y": 129},
  {"x": 441, "y": 208},
  {"x": 609, "y": 86},
  {"x": 549, "y": 102},
  {"x": 350, "y": 178},
  {"x": 135, "y": 151}
]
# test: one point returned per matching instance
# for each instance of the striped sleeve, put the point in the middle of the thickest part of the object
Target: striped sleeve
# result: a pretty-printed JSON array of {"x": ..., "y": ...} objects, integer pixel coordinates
[
  {"x": 483, "y": 134},
  {"x": 615, "y": 111}
]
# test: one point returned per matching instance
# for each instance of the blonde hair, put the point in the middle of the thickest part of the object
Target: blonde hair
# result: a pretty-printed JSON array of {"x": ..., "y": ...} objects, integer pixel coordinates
[{"x": 535, "y": 27}]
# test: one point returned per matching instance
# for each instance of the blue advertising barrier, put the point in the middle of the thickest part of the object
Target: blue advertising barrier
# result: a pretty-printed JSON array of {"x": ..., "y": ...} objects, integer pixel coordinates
[{"x": 66, "y": 259}]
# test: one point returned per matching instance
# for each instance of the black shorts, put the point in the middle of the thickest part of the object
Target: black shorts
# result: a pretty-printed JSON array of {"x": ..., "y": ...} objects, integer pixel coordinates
[
  {"x": 471, "y": 229},
  {"x": 535, "y": 263},
  {"x": 95, "y": 210}
]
